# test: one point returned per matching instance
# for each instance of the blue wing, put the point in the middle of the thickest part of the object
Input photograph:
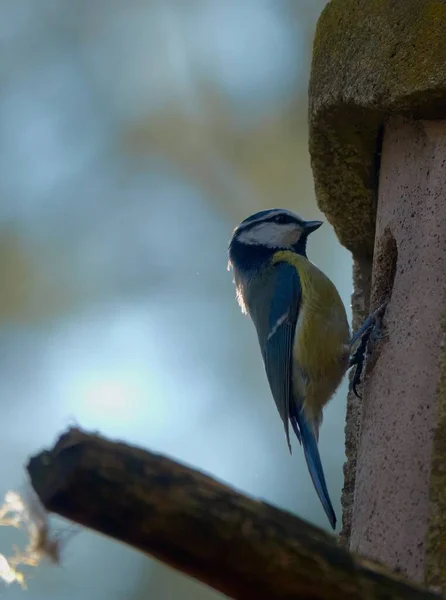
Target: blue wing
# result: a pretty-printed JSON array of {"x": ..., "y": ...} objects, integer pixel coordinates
[{"x": 281, "y": 291}]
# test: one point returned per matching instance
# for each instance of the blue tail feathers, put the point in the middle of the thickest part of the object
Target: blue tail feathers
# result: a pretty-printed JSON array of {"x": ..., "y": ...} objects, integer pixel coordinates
[{"x": 305, "y": 433}]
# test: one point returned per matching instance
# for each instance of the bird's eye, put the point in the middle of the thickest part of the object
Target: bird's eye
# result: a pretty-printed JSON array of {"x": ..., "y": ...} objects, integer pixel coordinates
[{"x": 281, "y": 219}]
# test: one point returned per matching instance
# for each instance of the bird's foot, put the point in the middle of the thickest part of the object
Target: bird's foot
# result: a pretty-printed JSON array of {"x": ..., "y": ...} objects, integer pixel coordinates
[
  {"x": 376, "y": 331},
  {"x": 374, "y": 320},
  {"x": 357, "y": 360},
  {"x": 369, "y": 334}
]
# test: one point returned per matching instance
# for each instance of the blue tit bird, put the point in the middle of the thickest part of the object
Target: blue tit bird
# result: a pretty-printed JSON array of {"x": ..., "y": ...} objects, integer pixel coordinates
[{"x": 301, "y": 325}]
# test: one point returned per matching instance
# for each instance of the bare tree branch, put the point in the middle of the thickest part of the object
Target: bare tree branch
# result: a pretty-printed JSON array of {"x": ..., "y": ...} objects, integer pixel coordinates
[{"x": 241, "y": 547}]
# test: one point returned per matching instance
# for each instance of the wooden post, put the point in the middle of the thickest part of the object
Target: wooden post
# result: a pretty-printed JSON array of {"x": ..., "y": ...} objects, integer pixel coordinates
[{"x": 378, "y": 149}]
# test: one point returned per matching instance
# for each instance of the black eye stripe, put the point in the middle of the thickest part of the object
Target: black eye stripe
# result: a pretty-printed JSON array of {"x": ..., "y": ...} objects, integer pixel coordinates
[
  {"x": 254, "y": 224},
  {"x": 282, "y": 219},
  {"x": 268, "y": 216}
]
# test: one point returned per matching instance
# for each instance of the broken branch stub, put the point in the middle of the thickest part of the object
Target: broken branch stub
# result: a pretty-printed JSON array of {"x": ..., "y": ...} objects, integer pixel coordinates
[{"x": 237, "y": 545}]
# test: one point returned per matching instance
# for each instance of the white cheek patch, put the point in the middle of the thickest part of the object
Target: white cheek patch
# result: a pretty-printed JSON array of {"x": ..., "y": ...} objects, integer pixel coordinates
[{"x": 271, "y": 234}]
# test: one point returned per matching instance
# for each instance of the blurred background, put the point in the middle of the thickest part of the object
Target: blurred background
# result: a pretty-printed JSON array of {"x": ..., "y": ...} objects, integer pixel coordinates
[{"x": 134, "y": 136}]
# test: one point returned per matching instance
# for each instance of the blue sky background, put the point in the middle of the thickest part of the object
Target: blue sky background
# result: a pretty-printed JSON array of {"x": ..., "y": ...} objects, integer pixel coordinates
[{"x": 134, "y": 136}]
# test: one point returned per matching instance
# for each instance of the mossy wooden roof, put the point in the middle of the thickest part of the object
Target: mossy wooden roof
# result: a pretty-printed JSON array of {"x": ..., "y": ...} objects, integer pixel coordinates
[{"x": 371, "y": 59}]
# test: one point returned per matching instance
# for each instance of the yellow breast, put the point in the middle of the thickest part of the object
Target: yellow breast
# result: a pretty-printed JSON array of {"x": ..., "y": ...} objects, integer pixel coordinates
[{"x": 321, "y": 338}]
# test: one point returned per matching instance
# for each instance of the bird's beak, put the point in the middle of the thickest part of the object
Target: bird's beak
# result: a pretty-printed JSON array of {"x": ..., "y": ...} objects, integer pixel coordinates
[{"x": 311, "y": 226}]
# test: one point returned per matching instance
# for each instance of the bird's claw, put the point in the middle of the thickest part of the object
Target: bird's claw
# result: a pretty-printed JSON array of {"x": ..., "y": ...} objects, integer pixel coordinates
[
  {"x": 357, "y": 359},
  {"x": 376, "y": 332},
  {"x": 369, "y": 334}
]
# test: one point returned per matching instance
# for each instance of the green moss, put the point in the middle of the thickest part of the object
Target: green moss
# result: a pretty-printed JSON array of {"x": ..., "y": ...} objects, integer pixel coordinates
[{"x": 371, "y": 59}]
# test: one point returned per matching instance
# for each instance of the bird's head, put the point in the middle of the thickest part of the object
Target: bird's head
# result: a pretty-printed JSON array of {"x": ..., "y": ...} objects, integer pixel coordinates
[{"x": 275, "y": 229}]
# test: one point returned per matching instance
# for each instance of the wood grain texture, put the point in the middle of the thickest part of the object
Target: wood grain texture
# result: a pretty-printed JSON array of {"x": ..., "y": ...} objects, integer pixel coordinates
[{"x": 242, "y": 547}]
